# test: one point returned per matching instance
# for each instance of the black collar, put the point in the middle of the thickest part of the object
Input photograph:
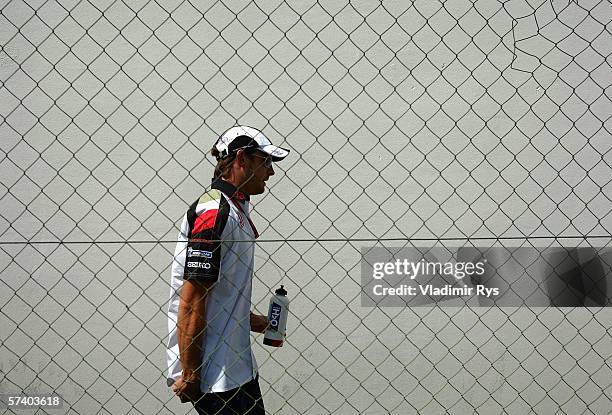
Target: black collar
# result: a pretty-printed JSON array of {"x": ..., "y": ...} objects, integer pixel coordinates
[{"x": 229, "y": 189}]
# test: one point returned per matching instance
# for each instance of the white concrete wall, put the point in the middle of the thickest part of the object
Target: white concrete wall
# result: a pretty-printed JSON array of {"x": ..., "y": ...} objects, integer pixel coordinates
[{"x": 405, "y": 120}]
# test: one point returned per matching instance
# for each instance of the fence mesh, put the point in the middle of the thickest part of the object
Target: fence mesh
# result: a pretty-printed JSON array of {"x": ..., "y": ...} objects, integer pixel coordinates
[{"x": 419, "y": 123}]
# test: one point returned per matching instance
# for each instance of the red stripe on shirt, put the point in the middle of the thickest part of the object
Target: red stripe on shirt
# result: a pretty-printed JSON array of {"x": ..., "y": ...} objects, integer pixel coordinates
[{"x": 205, "y": 221}]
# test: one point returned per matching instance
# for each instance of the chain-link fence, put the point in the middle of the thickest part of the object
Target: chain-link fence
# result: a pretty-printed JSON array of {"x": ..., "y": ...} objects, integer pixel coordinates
[{"x": 420, "y": 123}]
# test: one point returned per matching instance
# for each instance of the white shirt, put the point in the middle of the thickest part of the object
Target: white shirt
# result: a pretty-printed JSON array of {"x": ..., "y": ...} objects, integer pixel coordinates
[{"x": 222, "y": 214}]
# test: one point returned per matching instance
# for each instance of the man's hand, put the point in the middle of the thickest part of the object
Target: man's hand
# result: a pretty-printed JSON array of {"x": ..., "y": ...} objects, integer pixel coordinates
[
  {"x": 259, "y": 323},
  {"x": 187, "y": 392}
]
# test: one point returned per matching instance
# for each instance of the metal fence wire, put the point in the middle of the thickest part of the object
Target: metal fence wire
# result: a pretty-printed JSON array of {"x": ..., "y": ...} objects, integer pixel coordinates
[{"x": 411, "y": 123}]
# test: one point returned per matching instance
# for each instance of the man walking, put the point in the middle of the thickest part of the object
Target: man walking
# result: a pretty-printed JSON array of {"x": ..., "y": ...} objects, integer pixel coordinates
[{"x": 209, "y": 350}]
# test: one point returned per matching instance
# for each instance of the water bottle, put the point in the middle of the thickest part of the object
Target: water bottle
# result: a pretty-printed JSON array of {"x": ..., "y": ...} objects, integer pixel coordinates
[{"x": 277, "y": 318}]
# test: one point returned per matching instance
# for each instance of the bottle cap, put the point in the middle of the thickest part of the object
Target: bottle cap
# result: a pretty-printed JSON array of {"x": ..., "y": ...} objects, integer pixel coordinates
[{"x": 281, "y": 291}]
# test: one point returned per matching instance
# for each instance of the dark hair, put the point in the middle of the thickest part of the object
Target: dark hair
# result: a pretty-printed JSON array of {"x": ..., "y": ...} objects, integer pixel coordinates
[{"x": 223, "y": 165}]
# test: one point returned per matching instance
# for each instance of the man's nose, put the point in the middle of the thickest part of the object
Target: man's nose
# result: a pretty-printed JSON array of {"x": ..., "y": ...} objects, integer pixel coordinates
[{"x": 271, "y": 170}]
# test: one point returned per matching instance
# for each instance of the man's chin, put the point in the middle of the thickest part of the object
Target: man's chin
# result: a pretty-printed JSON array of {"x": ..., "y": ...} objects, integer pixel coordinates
[{"x": 258, "y": 191}]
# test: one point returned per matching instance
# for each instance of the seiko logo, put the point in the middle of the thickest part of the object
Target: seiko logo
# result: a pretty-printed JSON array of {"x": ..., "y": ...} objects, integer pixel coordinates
[
  {"x": 194, "y": 264},
  {"x": 198, "y": 253}
]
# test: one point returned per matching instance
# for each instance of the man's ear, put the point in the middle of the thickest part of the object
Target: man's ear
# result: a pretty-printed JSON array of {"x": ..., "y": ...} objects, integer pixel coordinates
[{"x": 242, "y": 158}]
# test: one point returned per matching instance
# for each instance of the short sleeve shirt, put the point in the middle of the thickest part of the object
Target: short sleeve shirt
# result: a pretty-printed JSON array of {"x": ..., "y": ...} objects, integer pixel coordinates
[{"x": 216, "y": 243}]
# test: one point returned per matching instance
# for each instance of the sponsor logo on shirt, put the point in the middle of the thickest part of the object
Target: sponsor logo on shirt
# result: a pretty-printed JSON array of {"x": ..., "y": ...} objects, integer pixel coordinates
[
  {"x": 198, "y": 253},
  {"x": 195, "y": 264}
]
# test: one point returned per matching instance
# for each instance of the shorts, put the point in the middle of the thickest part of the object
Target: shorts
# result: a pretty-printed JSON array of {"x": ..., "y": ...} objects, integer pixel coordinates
[{"x": 244, "y": 400}]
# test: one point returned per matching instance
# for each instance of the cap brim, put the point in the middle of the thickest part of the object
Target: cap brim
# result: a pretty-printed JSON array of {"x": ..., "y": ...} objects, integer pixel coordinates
[{"x": 277, "y": 153}]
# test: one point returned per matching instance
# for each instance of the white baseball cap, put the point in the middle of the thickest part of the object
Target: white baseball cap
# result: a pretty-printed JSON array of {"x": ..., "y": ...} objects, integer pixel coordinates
[{"x": 247, "y": 137}]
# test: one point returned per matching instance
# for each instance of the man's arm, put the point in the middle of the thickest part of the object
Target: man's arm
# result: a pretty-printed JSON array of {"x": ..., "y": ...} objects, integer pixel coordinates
[{"x": 191, "y": 324}]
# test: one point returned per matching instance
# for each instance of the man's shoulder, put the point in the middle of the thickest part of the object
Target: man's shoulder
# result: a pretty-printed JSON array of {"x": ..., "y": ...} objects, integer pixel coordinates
[
  {"x": 212, "y": 195},
  {"x": 210, "y": 211},
  {"x": 212, "y": 199}
]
